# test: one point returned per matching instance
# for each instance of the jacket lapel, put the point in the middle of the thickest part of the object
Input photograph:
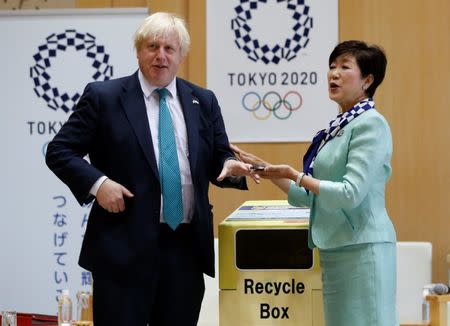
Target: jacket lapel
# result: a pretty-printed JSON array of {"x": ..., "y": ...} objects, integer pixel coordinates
[
  {"x": 133, "y": 104},
  {"x": 191, "y": 107}
]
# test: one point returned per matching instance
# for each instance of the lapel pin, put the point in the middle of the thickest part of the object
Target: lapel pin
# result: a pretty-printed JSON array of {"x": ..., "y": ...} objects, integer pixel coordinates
[
  {"x": 340, "y": 133},
  {"x": 194, "y": 101}
]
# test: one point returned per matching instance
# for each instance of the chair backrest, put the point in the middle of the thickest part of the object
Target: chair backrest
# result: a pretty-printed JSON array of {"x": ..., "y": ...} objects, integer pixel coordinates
[{"x": 413, "y": 273}]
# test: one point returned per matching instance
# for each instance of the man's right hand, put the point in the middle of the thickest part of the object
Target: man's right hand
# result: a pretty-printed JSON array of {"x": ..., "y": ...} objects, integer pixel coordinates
[{"x": 111, "y": 194}]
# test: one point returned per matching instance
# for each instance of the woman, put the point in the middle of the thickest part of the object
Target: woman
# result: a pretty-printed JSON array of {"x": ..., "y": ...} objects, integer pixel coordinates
[{"x": 345, "y": 171}]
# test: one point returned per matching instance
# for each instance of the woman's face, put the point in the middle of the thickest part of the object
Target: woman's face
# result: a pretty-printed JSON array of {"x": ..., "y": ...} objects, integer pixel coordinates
[{"x": 345, "y": 84}]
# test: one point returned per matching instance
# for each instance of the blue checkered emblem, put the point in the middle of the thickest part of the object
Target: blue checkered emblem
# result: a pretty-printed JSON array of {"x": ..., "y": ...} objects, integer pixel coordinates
[
  {"x": 289, "y": 46},
  {"x": 84, "y": 43}
]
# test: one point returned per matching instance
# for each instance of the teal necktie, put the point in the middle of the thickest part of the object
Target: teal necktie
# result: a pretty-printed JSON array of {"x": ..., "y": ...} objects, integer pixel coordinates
[{"x": 169, "y": 169}]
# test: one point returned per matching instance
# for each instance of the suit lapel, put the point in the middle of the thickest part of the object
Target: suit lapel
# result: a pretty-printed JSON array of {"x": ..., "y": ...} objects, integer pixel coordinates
[
  {"x": 191, "y": 107},
  {"x": 133, "y": 104}
]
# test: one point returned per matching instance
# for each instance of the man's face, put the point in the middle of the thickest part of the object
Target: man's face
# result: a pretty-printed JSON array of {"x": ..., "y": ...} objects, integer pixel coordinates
[{"x": 159, "y": 59}]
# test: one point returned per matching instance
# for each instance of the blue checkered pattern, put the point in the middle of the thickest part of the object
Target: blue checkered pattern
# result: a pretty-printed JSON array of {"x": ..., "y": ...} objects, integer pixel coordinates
[
  {"x": 344, "y": 118},
  {"x": 287, "y": 49},
  {"x": 325, "y": 135},
  {"x": 84, "y": 42}
]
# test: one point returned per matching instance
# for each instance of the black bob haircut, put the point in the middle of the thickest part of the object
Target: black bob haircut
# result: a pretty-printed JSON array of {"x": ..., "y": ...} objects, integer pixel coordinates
[{"x": 371, "y": 59}]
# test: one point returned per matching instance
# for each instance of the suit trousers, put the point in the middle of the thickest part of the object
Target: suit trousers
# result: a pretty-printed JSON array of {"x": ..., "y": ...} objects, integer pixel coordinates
[{"x": 172, "y": 295}]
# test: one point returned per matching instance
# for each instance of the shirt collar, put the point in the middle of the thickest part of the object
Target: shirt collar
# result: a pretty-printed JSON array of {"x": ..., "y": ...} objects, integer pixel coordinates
[{"x": 148, "y": 89}]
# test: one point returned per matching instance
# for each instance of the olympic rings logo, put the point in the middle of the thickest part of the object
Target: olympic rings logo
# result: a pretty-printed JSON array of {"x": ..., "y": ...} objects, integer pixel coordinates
[{"x": 272, "y": 103}]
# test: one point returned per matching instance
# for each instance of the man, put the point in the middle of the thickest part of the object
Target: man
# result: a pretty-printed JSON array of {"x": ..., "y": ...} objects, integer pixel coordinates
[{"x": 145, "y": 269}]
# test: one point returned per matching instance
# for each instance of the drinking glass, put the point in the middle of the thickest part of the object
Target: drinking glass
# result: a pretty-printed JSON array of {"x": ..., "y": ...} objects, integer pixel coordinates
[{"x": 9, "y": 318}]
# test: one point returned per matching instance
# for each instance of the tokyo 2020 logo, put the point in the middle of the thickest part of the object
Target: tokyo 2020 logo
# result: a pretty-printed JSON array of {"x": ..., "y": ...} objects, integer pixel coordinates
[
  {"x": 288, "y": 46},
  {"x": 84, "y": 43}
]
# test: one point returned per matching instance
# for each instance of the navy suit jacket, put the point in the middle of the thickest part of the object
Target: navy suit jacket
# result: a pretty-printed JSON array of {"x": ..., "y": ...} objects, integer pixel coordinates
[{"x": 110, "y": 124}]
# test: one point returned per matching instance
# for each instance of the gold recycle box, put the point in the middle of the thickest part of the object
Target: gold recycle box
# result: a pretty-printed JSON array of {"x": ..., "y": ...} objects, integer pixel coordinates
[{"x": 267, "y": 273}]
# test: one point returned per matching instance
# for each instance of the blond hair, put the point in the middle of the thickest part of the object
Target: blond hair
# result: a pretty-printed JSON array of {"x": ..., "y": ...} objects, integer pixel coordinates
[{"x": 162, "y": 24}]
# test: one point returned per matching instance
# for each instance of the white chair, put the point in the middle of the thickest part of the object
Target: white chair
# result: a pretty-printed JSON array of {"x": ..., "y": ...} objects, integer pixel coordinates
[
  {"x": 413, "y": 273},
  {"x": 209, "y": 314}
]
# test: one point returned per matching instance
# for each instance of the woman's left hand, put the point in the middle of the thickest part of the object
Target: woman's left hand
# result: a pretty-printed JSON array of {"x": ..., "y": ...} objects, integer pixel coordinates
[{"x": 247, "y": 157}]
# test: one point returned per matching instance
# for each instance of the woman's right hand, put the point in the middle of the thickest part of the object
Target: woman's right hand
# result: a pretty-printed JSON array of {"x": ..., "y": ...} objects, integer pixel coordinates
[
  {"x": 282, "y": 171},
  {"x": 278, "y": 174},
  {"x": 247, "y": 157}
]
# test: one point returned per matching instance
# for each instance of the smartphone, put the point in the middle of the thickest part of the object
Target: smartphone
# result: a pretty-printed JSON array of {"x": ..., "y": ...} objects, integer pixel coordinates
[{"x": 258, "y": 167}]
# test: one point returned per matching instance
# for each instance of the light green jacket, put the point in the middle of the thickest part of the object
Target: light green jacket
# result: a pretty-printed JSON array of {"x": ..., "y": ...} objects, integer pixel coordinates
[{"x": 353, "y": 169}]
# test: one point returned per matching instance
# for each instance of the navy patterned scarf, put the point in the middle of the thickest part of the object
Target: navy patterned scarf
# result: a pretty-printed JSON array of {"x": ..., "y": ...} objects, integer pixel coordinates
[{"x": 325, "y": 135}]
